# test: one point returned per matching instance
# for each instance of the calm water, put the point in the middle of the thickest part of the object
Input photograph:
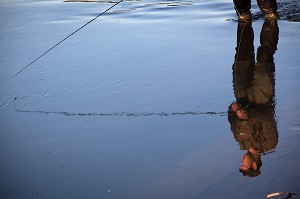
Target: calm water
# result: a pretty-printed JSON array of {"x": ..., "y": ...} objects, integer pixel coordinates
[{"x": 135, "y": 104}]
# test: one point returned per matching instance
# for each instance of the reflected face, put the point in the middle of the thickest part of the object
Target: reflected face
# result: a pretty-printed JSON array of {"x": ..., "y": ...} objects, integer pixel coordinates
[{"x": 247, "y": 163}]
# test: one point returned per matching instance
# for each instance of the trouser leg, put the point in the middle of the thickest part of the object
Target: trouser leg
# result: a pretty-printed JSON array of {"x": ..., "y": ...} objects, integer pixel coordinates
[
  {"x": 243, "y": 67},
  {"x": 267, "y": 6},
  {"x": 268, "y": 46},
  {"x": 263, "y": 85},
  {"x": 242, "y": 7}
]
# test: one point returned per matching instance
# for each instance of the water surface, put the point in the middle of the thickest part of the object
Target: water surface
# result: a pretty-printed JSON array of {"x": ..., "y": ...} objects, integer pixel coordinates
[{"x": 135, "y": 104}]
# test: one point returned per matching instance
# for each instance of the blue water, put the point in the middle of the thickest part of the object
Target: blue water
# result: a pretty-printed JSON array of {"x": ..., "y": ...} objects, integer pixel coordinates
[{"x": 135, "y": 104}]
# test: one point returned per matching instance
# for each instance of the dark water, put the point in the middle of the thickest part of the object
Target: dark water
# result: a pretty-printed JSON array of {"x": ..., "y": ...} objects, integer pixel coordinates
[{"x": 135, "y": 104}]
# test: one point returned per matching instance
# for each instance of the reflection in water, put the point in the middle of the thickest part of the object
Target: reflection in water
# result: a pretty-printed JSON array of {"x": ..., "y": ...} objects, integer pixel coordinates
[{"x": 252, "y": 116}]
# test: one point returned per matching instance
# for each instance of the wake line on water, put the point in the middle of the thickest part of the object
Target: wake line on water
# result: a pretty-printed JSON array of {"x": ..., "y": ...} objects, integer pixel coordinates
[{"x": 119, "y": 114}]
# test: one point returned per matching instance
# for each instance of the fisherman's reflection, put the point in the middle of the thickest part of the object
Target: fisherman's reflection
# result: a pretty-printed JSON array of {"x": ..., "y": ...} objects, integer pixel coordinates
[{"x": 252, "y": 115}]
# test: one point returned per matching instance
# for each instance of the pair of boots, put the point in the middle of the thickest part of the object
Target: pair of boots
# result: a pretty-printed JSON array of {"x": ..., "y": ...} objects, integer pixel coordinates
[
  {"x": 248, "y": 18},
  {"x": 268, "y": 8}
]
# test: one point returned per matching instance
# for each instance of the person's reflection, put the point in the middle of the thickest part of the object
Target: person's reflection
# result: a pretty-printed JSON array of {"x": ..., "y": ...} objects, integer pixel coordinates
[{"x": 252, "y": 115}]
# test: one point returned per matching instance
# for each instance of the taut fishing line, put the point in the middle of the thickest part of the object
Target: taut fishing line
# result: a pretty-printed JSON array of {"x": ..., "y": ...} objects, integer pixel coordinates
[
  {"x": 102, "y": 13},
  {"x": 126, "y": 114}
]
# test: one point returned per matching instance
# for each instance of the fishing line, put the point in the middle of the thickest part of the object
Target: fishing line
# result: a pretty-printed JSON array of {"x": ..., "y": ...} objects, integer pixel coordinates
[
  {"x": 66, "y": 38},
  {"x": 124, "y": 114},
  {"x": 118, "y": 114}
]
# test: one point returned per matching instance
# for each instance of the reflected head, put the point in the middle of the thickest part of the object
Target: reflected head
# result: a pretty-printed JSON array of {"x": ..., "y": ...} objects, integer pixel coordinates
[{"x": 250, "y": 165}]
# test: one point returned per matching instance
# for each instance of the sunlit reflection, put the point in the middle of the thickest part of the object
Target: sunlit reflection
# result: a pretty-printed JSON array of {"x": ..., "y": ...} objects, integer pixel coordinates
[{"x": 252, "y": 115}]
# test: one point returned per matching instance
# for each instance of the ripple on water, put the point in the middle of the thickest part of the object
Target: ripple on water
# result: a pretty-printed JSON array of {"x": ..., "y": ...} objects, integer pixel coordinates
[{"x": 141, "y": 10}]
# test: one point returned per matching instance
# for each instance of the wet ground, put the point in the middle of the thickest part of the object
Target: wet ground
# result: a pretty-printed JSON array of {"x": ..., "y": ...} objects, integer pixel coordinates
[
  {"x": 287, "y": 9},
  {"x": 134, "y": 105}
]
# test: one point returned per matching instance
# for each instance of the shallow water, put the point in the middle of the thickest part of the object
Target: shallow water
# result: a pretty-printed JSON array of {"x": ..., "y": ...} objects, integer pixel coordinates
[{"x": 135, "y": 104}]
